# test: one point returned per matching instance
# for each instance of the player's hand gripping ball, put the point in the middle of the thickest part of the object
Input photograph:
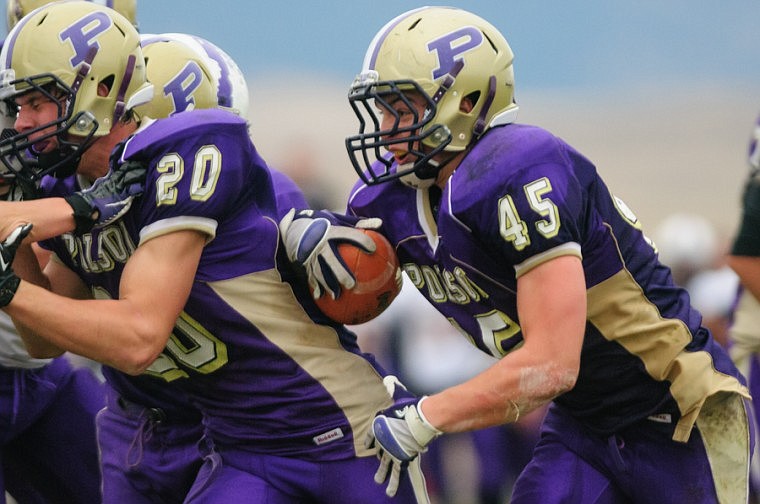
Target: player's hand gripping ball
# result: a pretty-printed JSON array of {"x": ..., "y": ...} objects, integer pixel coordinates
[{"x": 378, "y": 282}]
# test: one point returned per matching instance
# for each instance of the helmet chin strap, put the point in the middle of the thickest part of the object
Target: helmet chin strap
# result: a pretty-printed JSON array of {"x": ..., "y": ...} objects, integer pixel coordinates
[
  {"x": 64, "y": 160},
  {"x": 431, "y": 166},
  {"x": 82, "y": 72},
  {"x": 414, "y": 181},
  {"x": 62, "y": 163},
  {"x": 417, "y": 178},
  {"x": 122, "y": 91},
  {"x": 480, "y": 123}
]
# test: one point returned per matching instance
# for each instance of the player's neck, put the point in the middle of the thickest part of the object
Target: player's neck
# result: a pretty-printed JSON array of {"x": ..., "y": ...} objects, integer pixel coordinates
[
  {"x": 448, "y": 169},
  {"x": 95, "y": 161}
]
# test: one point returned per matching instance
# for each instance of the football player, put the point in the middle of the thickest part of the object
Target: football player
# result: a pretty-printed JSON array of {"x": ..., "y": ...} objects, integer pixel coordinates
[
  {"x": 179, "y": 286},
  {"x": 45, "y": 401},
  {"x": 513, "y": 236},
  {"x": 187, "y": 72},
  {"x": 744, "y": 259},
  {"x": 41, "y": 402}
]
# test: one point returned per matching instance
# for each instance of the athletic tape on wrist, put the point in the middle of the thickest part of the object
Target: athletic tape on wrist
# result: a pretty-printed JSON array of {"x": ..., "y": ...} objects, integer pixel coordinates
[{"x": 422, "y": 430}]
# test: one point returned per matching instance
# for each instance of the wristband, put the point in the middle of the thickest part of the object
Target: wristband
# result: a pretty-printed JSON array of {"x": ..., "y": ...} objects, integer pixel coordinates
[
  {"x": 8, "y": 290},
  {"x": 83, "y": 220},
  {"x": 421, "y": 429}
]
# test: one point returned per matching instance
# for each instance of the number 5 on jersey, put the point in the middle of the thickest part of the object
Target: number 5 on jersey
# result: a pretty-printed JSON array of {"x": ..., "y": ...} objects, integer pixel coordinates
[{"x": 514, "y": 229}]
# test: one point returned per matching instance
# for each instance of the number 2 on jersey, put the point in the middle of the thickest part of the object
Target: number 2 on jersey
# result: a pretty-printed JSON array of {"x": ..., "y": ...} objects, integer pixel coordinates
[{"x": 206, "y": 167}]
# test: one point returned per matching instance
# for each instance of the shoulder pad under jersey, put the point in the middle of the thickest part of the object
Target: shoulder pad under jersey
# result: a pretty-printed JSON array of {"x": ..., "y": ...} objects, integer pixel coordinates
[{"x": 184, "y": 125}]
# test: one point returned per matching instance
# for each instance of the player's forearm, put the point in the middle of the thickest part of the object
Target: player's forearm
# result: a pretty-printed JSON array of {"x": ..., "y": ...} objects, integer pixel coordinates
[
  {"x": 26, "y": 265},
  {"x": 748, "y": 269},
  {"x": 107, "y": 331},
  {"x": 50, "y": 217},
  {"x": 499, "y": 395},
  {"x": 36, "y": 346}
]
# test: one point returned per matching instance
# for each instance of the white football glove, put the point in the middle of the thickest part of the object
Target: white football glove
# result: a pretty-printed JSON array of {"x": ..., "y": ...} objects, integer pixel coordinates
[
  {"x": 400, "y": 433},
  {"x": 311, "y": 239}
]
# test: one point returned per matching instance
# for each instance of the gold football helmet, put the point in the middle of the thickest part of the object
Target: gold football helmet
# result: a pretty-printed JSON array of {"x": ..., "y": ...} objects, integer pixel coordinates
[
  {"x": 447, "y": 55},
  {"x": 231, "y": 86},
  {"x": 66, "y": 51},
  {"x": 189, "y": 72},
  {"x": 16, "y": 9}
]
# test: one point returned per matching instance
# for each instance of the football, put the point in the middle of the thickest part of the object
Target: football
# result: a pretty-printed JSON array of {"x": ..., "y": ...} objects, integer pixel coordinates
[{"x": 378, "y": 282}]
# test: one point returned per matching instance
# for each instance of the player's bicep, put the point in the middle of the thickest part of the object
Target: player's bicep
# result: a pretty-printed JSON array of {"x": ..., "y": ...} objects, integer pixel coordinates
[
  {"x": 551, "y": 303},
  {"x": 158, "y": 277}
]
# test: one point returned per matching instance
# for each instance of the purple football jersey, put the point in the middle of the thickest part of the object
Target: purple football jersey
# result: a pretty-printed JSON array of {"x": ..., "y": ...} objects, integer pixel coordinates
[
  {"x": 287, "y": 193},
  {"x": 519, "y": 198},
  {"x": 247, "y": 350}
]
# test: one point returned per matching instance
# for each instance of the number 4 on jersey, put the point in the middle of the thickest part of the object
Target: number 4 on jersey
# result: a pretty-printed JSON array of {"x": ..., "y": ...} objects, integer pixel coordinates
[{"x": 513, "y": 229}]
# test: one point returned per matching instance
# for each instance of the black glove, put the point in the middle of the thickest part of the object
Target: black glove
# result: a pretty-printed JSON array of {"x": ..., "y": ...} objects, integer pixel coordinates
[
  {"x": 8, "y": 279},
  {"x": 109, "y": 197}
]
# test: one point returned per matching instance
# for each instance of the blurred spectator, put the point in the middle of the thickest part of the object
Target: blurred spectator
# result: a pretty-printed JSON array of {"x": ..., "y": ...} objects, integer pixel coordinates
[
  {"x": 693, "y": 248},
  {"x": 687, "y": 243},
  {"x": 713, "y": 292},
  {"x": 300, "y": 164}
]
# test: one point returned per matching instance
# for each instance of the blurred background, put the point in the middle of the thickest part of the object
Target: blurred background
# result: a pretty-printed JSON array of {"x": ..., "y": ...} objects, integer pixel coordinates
[{"x": 661, "y": 96}]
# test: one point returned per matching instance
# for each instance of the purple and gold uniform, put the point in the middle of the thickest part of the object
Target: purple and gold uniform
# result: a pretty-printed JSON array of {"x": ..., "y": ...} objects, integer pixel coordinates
[
  {"x": 522, "y": 197},
  {"x": 248, "y": 350}
]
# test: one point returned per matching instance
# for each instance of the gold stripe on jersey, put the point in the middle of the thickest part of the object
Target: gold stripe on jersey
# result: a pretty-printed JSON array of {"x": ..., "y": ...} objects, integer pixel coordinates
[
  {"x": 621, "y": 312},
  {"x": 161, "y": 227},
  {"x": 569, "y": 248},
  {"x": 270, "y": 305}
]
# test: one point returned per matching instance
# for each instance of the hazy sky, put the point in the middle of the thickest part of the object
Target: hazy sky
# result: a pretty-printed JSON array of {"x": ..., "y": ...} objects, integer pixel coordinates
[{"x": 592, "y": 44}]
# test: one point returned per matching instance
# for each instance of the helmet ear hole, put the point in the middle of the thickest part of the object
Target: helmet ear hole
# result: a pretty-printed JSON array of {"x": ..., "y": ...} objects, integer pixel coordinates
[
  {"x": 469, "y": 102},
  {"x": 107, "y": 82}
]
